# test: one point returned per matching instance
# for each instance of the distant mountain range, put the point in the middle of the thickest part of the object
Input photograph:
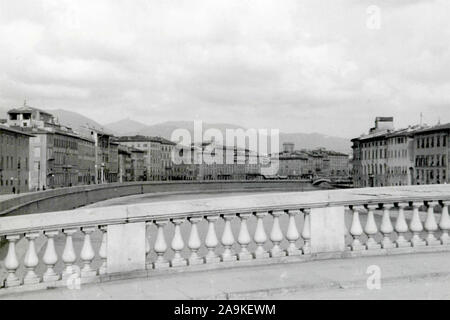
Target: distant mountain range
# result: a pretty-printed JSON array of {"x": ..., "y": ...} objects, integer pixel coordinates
[
  {"x": 75, "y": 120},
  {"x": 165, "y": 129}
]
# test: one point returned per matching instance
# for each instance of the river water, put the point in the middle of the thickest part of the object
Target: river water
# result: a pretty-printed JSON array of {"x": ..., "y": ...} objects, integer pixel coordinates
[{"x": 165, "y": 196}]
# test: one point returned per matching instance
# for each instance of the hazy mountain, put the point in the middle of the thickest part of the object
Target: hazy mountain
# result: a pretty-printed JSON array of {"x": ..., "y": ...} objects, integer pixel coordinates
[
  {"x": 3, "y": 111},
  {"x": 301, "y": 140},
  {"x": 126, "y": 127},
  {"x": 75, "y": 120},
  {"x": 165, "y": 129},
  {"x": 316, "y": 140}
]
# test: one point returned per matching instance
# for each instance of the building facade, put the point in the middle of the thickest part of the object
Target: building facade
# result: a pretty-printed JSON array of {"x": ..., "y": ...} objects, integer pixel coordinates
[
  {"x": 58, "y": 157},
  {"x": 385, "y": 156},
  {"x": 307, "y": 164},
  {"x": 124, "y": 164},
  {"x": 157, "y": 155},
  {"x": 138, "y": 171},
  {"x": 431, "y": 155},
  {"x": 14, "y": 160}
]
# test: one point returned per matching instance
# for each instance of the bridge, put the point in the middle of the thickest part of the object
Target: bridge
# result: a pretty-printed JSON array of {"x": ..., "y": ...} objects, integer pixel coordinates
[{"x": 232, "y": 247}]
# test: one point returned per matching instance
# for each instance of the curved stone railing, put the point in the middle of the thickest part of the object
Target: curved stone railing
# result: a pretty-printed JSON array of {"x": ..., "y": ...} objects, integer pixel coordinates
[
  {"x": 149, "y": 239},
  {"x": 78, "y": 196}
]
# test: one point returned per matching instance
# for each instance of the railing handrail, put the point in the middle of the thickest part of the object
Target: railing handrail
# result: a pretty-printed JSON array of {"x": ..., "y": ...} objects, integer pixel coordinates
[{"x": 220, "y": 206}]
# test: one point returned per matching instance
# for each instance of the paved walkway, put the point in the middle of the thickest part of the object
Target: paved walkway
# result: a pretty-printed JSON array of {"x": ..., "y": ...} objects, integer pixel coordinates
[{"x": 411, "y": 276}]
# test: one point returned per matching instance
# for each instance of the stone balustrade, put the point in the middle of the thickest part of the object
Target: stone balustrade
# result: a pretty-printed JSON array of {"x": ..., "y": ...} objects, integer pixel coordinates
[{"x": 100, "y": 244}]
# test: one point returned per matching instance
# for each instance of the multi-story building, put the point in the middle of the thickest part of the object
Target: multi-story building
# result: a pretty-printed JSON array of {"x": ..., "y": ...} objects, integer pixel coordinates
[
  {"x": 400, "y": 157},
  {"x": 338, "y": 163},
  {"x": 58, "y": 157},
  {"x": 209, "y": 161},
  {"x": 228, "y": 163},
  {"x": 124, "y": 164},
  {"x": 138, "y": 171},
  {"x": 27, "y": 116},
  {"x": 14, "y": 161},
  {"x": 370, "y": 155},
  {"x": 186, "y": 164},
  {"x": 106, "y": 154},
  {"x": 294, "y": 166},
  {"x": 306, "y": 164},
  {"x": 431, "y": 154},
  {"x": 86, "y": 160},
  {"x": 384, "y": 156},
  {"x": 157, "y": 154},
  {"x": 166, "y": 158}
]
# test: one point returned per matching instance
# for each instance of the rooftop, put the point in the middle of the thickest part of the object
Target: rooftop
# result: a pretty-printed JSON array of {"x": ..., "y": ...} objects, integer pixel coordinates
[
  {"x": 438, "y": 127},
  {"x": 26, "y": 108},
  {"x": 13, "y": 130},
  {"x": 139, "y": 138}
]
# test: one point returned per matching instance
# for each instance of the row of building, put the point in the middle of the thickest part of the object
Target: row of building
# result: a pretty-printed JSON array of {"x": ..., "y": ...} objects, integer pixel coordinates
[
  {"x": 307, "y": 164},
  {"x": 388, "y": 157},
  {"x": 38, "y": 153}
]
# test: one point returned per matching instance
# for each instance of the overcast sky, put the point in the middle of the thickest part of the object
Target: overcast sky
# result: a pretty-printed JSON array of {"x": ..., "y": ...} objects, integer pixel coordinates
[{"x": 300, "y": 66}]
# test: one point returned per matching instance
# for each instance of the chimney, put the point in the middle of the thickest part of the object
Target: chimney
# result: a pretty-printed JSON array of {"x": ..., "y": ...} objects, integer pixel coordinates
[{"x": 383, "y": 123}]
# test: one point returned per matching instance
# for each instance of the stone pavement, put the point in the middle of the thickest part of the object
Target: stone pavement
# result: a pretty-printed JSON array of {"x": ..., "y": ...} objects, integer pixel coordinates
[{"x": 411, "y": 276}]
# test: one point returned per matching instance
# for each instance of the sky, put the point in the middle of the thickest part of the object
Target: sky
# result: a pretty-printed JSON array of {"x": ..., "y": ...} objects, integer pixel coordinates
[{"x": 326, "y": 66}]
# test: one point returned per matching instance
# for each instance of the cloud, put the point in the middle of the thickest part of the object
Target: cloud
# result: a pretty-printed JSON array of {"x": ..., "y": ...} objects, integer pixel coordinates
[{"x": 299, "y": 66}]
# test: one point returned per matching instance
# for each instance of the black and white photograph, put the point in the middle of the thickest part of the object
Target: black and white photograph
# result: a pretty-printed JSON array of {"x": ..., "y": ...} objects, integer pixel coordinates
[{"x": 224, "y": 156}]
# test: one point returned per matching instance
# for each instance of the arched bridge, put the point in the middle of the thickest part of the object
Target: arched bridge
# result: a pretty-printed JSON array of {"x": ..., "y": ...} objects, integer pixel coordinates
[
  {"x": 78, "y": 196},
  {"x": 271, "y": 236},
  {"x": 320, "y": 181}
]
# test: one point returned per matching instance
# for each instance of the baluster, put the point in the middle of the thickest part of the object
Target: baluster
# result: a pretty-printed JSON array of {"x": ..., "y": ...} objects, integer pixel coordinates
[
  {"x": 103, "y": 251},
  {"x": 147, "y": 244},
  {"x": 276, "y": 235},
  {"x": 87, "y": 253},
  {"x": 177, "y": 245},
  {"x": 306, "y": 232},
  {"x": 356, "y": 231},
  {"x": 401, "y": 227},
  {"x": 194, "y": 242},
  {"x": 386, "y": 227},
  {"x": 431, "y": 225},
  {"x": 160, "y": 246},
  {"x": 50, "y": 257},
  {"x": 371, "y": 228},
  {"x": 260, "y": 236},
  {"x": 228, "y": 239},
  {"x": 69, "y": 257},
  {"x": 444, "y": 224},
  {"x": 244, "y": 238},
  {"x": 211, "y": 241},
  {"x": 292, "y": 234},
  {"x": 11, "y": 261},
  {"x": 31, "y": 260},
  {"x": 416, "y": 226}
]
